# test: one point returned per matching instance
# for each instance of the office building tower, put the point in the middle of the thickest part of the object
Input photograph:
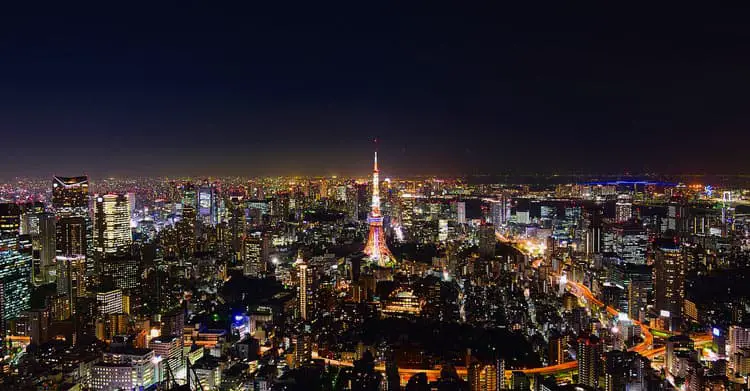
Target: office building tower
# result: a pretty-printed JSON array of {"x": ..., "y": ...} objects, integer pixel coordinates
[
  {"x": 186, "y": 230},
  {"x": 71, "y": 278},
  {"x": 30, "y": 218},
  {"x": 623, "y": 208},
  {"x": 669, "y": 280},
  {"x": 10, "y": 219},
  {"x": 376, "y": 249},
  {"x": 122, "y": 271},
  {"x": 109, "y": 302},
  {"x": 497, "y": 213},
  {"x": 255, "y": 254},
  {"x": 130, "y": 196},
  {"x": 15, "y": 270},
  {"x": 487, "y": 241},
  {"x": 589, "y": 360},
  {"x": 44, "y": 249},
  {"x": 593, "y": 230},
  {"x": 112, "y": 233},
  {"x": 71, "y": 236},
  {"x": 630, "y": 243},
  {"x": 207, "y": 203},
  {"x": 640, "y": 284},
  {"x": 70, "y": 196},
  {"x": 304, "y": 286}
]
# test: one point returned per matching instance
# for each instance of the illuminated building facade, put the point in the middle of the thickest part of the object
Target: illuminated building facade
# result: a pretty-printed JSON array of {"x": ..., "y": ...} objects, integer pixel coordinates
[
  {"x": 112, "y": 225},
  {"x": 254, "y": 254},
  {"x": 129, "y": 370},
  {"x": 376, "y": 248},
  {"x": 15, "y": 269},
  {"x": 669, "y": 279},
  {"x": 109, "y": 302},
  {"x": 207, "y": 203},
  {"x": 304, "y": 286},
  {"x": 589, "y": 360},
  {"x": 70, "y": 201},
  {"x": 70, "y": 196},
  {"x": 486, "y": 376},
  {"x": 71, "y": 274},
  {"x": 402, "y": 303},
  {"x": 623, "y": 208}
]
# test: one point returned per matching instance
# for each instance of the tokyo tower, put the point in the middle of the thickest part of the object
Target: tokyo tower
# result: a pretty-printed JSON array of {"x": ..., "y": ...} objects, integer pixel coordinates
[{"x": 376, "y": 249}]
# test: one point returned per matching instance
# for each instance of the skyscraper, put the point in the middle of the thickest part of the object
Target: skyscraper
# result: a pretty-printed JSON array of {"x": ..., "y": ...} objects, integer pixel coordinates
[
  {"x": 669, "y": 279},
  {"x": 15, "y": 266},
  {"x": 70, "y": 196},
  {"x": 589, "y": 360},
  {"x": 207, "y": 203},
  {"x": 304, "y": 285},
  {"x": 111, "y": 225},
  {"x": 254, "y": 254},
  {"x": 44, "y": 249},
  {"x": 70, "y": 201},
  {"x": 623, "y": 208},
  {"x": 376, "y": 248}
]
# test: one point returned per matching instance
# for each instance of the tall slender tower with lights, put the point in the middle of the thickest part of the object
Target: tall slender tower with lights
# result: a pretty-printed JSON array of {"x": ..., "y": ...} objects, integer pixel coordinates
[{"x": 376, "y": 249}]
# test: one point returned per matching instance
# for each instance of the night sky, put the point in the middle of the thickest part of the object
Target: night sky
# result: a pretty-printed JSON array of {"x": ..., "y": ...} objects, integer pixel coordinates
[{"x": 465, "y": 88}]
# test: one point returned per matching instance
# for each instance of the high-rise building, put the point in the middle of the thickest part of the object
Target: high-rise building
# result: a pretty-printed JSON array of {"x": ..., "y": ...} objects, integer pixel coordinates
[
  {"x": 589, "y": 360},
  {"x": 255, "y": 254},
  {"x": 123, "y": 271},
  {"x": 109, "y": 302},
  {"x": 71, "y": 278},
  {"x": 487, "y": 241},
  {"x": 71, "y": 236},
  {"x": 623, "y": 208},
  {"x": 640, "y": 284},
  {"x": 669, "y": 279},
  {"x": 304, "y": 286},
  {"x": 630, "y": 243},
  {"x": 10, "y": 220},
  {"x": 44, "y": 249},
  {"x": 376, "y": 248},
  {"x": 302, "y": 349},
  {"x": 112, "y": 233},
  {"x": 207, "y": 203},
  {"x": 461, "y": 212},
  {"x": 15, "y": 270},
  {"x": 70, "y": 196}
]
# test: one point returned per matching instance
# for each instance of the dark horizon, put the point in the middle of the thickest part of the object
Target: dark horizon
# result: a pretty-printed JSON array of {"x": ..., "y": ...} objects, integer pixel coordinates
[{"x": 449, "y": 90}]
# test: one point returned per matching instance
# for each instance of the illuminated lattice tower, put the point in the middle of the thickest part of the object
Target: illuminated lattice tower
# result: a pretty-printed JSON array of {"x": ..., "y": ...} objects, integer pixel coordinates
[{"x": 376, "y": 249}]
